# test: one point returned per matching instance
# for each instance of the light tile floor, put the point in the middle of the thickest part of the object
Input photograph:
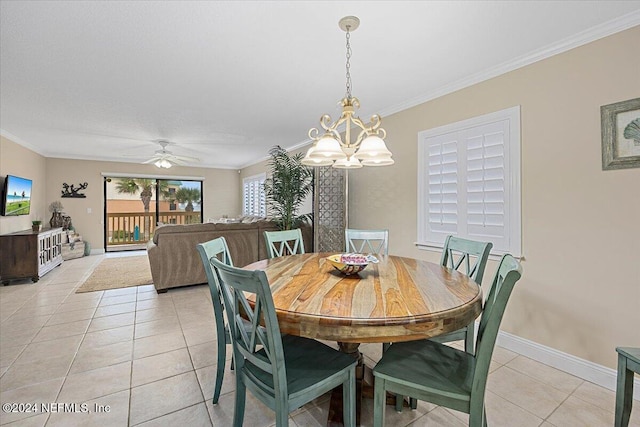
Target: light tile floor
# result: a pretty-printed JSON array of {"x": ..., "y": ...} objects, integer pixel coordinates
[{"x": 138, "y": 358}]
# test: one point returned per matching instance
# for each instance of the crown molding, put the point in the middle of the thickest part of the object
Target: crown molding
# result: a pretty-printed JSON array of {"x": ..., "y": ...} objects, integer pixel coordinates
[
  {"x": 289, "y": 149},
  {"x": 151, "y": 176},
  {"x": 21, "y": 142},
  {"x": 617, "y": 25}
]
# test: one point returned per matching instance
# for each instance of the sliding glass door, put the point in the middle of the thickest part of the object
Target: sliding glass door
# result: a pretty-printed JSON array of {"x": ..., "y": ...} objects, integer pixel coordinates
[
  {"x": 180, "y": 202},
  {"x": 135, "y": 206}
]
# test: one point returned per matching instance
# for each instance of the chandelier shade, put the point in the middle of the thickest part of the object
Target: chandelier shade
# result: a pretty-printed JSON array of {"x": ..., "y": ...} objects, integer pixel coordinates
[
  {"x": 328, "y": 147},
  {"x": 372, "y": 148},
  {"x": 383, "y": 161},
  {"x": 309, "y": 160},
  {"x": 347, "y": 163},
  {"x": 367, "y": 148}
]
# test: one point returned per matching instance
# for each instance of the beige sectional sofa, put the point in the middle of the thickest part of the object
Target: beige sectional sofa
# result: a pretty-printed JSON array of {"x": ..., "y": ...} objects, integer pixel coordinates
[{"x": 175, "y": 261}]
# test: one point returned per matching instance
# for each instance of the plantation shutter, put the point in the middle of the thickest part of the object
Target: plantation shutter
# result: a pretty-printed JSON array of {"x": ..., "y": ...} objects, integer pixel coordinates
[
  {"x": 442, "y": 186},
  {"x": 253, "y": 196},
  {"x": 486, "y": 184},
  {"x": 469, "y": 182}
]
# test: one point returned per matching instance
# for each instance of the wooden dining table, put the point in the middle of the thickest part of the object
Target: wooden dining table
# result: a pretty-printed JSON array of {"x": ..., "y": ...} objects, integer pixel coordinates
[{"x": 396, "y": 299}]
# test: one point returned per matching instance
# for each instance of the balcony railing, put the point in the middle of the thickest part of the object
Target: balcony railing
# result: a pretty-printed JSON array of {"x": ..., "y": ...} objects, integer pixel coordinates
[{"x": 129, "y": 227}]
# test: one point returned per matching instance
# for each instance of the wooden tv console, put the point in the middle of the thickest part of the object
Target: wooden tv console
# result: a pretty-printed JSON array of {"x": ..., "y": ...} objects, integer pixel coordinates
[{"x": 29, "y": 254}]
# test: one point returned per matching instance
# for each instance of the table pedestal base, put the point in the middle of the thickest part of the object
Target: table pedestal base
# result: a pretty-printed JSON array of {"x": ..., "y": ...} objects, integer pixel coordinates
[{"x": 364, "y": 388}]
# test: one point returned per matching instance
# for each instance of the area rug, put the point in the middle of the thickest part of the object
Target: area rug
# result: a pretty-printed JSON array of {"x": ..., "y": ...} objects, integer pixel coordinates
[{"x": 120, "y": 272}]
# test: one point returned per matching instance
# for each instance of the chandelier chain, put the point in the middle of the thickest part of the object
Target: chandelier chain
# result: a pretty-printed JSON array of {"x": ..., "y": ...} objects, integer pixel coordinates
[{"x": 348, "y": 65}]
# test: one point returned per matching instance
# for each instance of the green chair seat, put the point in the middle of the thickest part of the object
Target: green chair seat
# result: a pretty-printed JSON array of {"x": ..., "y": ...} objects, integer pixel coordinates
[
  {"x": 443, "y": 370},
  {"x": 303, "y": 372}
]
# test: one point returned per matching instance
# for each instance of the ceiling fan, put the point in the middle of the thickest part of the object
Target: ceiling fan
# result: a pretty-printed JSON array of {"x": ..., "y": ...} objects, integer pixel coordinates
[{"x": 164, "y": 158}]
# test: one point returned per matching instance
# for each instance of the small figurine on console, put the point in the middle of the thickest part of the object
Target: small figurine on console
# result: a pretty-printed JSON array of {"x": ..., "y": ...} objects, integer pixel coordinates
[{"x": 66, "y": 223}]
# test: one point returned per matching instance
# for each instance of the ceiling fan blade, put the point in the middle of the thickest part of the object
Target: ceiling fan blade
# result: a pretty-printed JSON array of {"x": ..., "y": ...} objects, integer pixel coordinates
[
  {"x": 164, "y": 154},
  {"x": 134, "y": 155},
  {"x": 185, "y": 158}
]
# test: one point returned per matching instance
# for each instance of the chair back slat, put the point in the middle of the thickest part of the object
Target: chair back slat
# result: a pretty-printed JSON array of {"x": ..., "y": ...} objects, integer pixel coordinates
[
  {"x": 259, "y": 345},
  {"x": 473, "y": 254},
  {"x": 367, "y": 241},
  {"x": 285, "y": 242}
]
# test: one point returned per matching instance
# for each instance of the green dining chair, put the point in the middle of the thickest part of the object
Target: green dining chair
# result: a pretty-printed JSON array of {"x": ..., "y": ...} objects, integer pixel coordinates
[
  {"x": 217, "y": 248},
  {"x": 367, "y": 241},
  {"x": 628, "y": 364},
  {"x": 442, "y": 374},
  {"x": 285, "y": 242},
  {"x": 284, "y": 372},
  {"x": 469, "y": 257}
]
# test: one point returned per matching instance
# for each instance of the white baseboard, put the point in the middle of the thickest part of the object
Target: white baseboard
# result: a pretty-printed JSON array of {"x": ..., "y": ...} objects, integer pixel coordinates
[
  {"x": 97, "y": 251},
  {"x": 588, "y": 371}
]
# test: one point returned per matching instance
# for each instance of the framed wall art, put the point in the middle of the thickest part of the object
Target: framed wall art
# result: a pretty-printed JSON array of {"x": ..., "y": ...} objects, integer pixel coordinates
[{"x": 621, "y": 134}]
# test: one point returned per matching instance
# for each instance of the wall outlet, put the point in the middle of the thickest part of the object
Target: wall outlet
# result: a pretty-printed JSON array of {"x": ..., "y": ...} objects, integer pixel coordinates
[{"x": 88, "y": 210}]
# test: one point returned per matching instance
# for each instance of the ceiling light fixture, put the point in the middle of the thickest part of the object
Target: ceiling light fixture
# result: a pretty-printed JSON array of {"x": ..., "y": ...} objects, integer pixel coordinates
[
  {"x": 368, "y": 148},
  {"x": 163, "y": 163}
]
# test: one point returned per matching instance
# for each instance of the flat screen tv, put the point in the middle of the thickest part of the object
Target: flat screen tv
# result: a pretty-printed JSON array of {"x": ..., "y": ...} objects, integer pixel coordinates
[{"x": 17, "y": 196}]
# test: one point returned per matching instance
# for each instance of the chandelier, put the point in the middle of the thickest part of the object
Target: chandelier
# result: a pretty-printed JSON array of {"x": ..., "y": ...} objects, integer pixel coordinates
[{"x": 367, "y": 148}]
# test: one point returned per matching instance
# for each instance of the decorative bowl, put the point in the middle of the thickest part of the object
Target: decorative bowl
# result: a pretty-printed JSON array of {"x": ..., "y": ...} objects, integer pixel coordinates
[{"x": 349, "y": 263}]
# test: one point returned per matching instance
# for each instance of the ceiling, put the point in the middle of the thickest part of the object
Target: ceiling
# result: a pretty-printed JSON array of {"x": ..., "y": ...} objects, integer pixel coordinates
[{"x": 226, "y": 80}]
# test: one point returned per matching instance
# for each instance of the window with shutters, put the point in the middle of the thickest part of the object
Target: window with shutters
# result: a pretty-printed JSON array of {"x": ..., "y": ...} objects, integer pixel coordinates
[
  {"x": 469, "y": 182},
  {"x": 253, "y": 197}
]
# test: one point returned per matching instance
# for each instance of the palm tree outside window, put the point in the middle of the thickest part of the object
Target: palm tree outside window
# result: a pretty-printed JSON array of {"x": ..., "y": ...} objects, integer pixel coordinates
[
  {"x": 145, "y": 188},
  {"x": 164, "y": 201}
]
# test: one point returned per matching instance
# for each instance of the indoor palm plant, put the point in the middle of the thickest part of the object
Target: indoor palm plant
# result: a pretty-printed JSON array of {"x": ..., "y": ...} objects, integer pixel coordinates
[{"x": 289, "y": 183}]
